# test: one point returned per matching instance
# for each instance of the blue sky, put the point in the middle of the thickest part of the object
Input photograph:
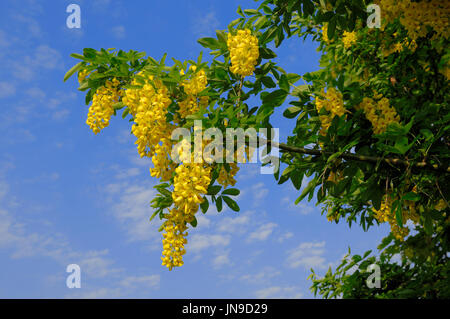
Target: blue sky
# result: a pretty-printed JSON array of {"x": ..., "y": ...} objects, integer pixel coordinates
[{"x": 68, "y": 196}]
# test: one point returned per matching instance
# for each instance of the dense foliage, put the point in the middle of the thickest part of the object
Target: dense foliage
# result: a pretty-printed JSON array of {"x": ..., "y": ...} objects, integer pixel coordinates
[{"x": 371, "y": 128}]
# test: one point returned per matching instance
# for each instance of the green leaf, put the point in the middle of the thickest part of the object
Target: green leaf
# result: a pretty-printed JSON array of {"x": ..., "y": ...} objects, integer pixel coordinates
[
  {"x": 300, "y": 89},
  {"x": 268, "y": 82},
  {"x": 250, "y": 11},
  {"x": 214, "y": 189},
  {"x": 231, "y": 203},
  {"x": 266, "y": 53},
  {"x": 210, "y": 43},
  {"x": 411, "y": 196},
  {"x": 193, "y": 222},
  {"x": 284, "y": 83},
  {"x": 77, "y": 56},
  {"x": 276, "y": 97},
  {"x": 219, "y": 204},
  {"x": 291, "y": 112},
  {"x": 72, "y": 70},
  {"x": 331, "y": 28},
  {"x": 231, "y": 191},
  {"x": 297, "y": 179},
  {"x": 204, "y": 205},
  {"x": 310, "y": 187}
]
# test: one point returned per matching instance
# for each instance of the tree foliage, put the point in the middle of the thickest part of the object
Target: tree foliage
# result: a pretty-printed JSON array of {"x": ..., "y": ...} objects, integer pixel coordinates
[{"x": 371, "y": 126}]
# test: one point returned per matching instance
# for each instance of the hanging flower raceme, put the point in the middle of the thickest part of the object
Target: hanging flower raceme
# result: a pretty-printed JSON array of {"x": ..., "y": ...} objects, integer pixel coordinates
[
  {"x": 385, "y": 214},
  {"x": 163, "y": 165},
  {"x": 244, "y": 52},
  {"x": 226, "y": 178},
  {"x": 325, "y": 34},
  {"x": 197, "y": 83},
  {"x": 82, "y": 75},
  {"x": 150, "y": 120},
  {"x": 102, "y": 107},
  {"x": 349, "y": 39},
  {"x": 173, "y": 243},
  {"x": 331, "y": 101},
  {"x": 419, "y": 16},
  {"x": 380, "y": 113}
]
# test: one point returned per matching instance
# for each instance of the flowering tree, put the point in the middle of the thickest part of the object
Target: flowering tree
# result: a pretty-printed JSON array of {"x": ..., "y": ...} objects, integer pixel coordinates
[{"x": 371, "y": 128}]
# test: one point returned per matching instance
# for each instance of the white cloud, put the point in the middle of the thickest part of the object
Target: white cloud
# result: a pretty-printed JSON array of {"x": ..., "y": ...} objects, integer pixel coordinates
[
  {"x": 285, "y": 236},
  {"x": 308, "y": 255},
  {"x": 234, "y": 225},
  {"x": 150, "y": 281},
  {"x": 132, "y": 210},
  {"x": 119, "y": 32},
  {"x": 36, "y": 93},
  {"x": 262, "y": 233},
  {"x": 44, "y": 57},
  {"x": 278, "y": 292},
  {"x": 34, "y": 28},
  {"x": 262, "y": 276},
  {"x": 7, "y": 89},
  {"x": 259, "y": 191},
  {"x": 221, "y": 260},
  {"x": 4, "y": 42},
  {"x": 199, "y": 242},
  {"x": 205, "y": 24},
  {"x": 15, "y": 236}
]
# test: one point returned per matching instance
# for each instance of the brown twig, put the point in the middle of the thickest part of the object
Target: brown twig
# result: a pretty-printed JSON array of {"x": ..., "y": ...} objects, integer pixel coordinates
[{"x": 358, "y": 157}]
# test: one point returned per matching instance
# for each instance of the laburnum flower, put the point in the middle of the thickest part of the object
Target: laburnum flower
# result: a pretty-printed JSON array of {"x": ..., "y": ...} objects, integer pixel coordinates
[
  {"x": 332, "y": 101},
  {"x": 173, "y": 243},
  {"x": 82, "y": 75},
  {"x": 163, "y": 165},
  {"x": 385, "y": 214},
  {"x": 190, "y": 184},
  {"x": 226, "y": 178},
  {"x": 244, "y": 52},
  {"x": 380, "y": 113},
  {"x": 150, "y": 120},
  {"x": 197, "y": 83},
  {"x": 418, "y": 16},
  {"x": 325, "y": 34},
  {"x": 102, "y": 107},
  {"x": 349, "y": 39}
]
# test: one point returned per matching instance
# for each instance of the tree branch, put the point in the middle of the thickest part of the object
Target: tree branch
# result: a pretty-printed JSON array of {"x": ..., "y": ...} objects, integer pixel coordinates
[{"x": 357, "y": 157}]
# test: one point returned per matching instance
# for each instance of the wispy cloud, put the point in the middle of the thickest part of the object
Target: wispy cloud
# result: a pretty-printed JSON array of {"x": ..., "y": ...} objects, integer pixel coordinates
[
  {"x": 199, "y": 242},
  {"x": 262, "y": 233},
  {"x": 118, "y": 32},
  {"x": 307, "y": 255},
  {"x": 279, "y": 292},
  {"x": 7, "y": 89},
  {"x": 205, "y": 24}
]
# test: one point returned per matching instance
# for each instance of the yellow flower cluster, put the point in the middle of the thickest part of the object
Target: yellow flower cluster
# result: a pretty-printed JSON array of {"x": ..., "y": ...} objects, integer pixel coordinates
[
  {"x": 325, "y": 34},
  {"x": 335, "y": 176},
  {"x": 399, "y": 47},
  {"x": 332, "y": 101},
  {"x": 163, "y": 165},
  {"x": 82, "y": 75},
  {"x": 190, "y": 184},
  {"x": 349, "y": 39},
  {"x": 173, "y": 243},
  {"x": 226, "y": 178},
  {"x": 197, "y": 83},
  {"x": 385, "y": 214},
  {"x": 192, "y": 104},
  {"x": 380, "y": 113},
  {"x": 244, "y": 52},
  {"x": 150, "y": 119},
  {"x": 417, "y": 17},
  {"x": 102, "y": 107}
]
